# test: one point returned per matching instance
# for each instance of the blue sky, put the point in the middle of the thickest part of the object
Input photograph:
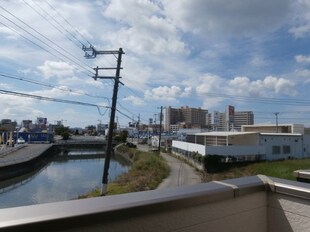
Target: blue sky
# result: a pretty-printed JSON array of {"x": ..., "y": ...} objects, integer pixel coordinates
[{"x": 252, "y": 54}]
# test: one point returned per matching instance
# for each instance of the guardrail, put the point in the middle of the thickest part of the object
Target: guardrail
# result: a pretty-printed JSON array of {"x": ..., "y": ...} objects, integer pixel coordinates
[{"x": 256, "y": 203}]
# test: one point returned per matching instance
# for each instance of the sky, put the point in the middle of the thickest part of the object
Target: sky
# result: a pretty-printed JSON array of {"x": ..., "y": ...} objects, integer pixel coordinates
[{"x": 252, "y": 54}]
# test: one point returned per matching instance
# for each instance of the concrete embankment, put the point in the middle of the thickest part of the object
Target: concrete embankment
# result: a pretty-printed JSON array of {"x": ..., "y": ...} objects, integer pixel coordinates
[{"x": 25, "y": 159}]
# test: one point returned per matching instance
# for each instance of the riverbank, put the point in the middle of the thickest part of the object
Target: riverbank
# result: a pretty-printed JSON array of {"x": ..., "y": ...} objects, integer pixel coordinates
[{"x": 147, "y": 172}]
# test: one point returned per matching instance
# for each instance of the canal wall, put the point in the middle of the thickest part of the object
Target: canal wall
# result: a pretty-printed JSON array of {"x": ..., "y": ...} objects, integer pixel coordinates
[
  {"x": 18, "y": 164},
  {"x": 33, "y": 157}
]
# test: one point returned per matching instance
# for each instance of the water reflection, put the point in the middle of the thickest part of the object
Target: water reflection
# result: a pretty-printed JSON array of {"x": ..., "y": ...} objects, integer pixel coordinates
[{"x": 66, "y": 177}]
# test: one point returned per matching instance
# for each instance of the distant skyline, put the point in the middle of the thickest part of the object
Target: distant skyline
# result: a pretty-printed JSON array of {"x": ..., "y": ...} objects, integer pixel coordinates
[{"x": 252, "y": 54}]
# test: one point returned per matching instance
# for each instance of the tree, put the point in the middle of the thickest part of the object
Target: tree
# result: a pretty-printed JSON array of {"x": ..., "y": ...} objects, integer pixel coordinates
[
  {"x": 63, "y": 131},
  {"x": 122, "y": 136}
]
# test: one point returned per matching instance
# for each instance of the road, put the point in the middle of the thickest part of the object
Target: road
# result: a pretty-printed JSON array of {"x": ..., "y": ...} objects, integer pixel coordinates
[{"x": 180, "y": 173}]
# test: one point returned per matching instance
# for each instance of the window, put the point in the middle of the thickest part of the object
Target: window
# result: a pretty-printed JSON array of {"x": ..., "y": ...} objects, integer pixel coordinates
[
  {"x": 276, "y": 150},
  {"x": 286, "y": 149}
]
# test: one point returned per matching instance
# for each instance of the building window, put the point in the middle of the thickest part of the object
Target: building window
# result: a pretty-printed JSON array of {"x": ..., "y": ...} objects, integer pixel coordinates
[
  {"x": 286, "y": 149},
  {"x": 276, "y": 150}
]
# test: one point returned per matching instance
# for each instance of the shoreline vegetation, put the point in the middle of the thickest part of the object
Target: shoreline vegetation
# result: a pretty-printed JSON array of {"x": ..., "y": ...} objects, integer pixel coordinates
[{"x": 148, "y": 170}]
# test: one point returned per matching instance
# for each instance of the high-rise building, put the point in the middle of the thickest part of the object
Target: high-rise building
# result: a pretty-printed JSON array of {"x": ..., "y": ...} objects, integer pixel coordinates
[
  {"x": 184, "y": 117},
  {"x": 243, "y": 118},
  {"x": 230, "y": 119}
]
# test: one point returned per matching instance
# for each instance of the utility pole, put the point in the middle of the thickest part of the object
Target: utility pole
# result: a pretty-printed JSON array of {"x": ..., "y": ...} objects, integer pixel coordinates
[
  {"x": 160, "y": 119},
  {"x": 276, "y": 114},
  {"x": 113, "y": 107}
]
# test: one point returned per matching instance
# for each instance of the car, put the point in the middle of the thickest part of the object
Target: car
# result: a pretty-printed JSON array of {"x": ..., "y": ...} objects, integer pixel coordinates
[{"x": 20, "y": 141}]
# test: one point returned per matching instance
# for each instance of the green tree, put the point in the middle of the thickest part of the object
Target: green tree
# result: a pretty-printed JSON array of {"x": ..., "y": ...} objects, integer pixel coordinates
[
  {"x": 121, "y": 137},
  {"x": 64, "y": 132}
]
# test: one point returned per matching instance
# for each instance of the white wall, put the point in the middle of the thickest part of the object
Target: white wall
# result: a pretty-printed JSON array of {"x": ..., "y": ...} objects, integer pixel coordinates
[
  {"x": 295, "y": 142},
  {"x": 191, "y": 147}
]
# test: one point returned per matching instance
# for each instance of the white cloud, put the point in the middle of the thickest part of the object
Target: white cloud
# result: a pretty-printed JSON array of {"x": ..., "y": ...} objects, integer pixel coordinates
[
  {"x": 240, "y": 17},
  {"x": 164, "y": 93},
  {"x": 301, "y": 22},
  {"x": 269, "y": 86},
  {"x": 134, "y": 100},
  {"x": 8, "y": 33},
  {"x": 145, "y": 30},
  {"x": 302, "y": 59},
  {"x": 56, "y": 69}
]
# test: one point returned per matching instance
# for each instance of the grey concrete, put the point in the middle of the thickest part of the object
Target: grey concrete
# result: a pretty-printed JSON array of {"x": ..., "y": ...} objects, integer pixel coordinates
[
  {"x": 180, "y": 173},
  {"x": 23, "y": 154}
]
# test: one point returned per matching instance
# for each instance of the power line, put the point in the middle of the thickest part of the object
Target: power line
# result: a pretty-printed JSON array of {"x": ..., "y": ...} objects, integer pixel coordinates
[
  {"x": 58, "y": 23},
  {"x": 53, "y": 25},
  {"x": 57, "y": 12},
  {"x": 266, "y": 100},
  {"x": 63, "y": 49},
  {"x": 15, "y": 31},
  {"x": 18, "y": 94},
  {"x": 51, "y": 86},
  {"x": 46, "y": 44}
]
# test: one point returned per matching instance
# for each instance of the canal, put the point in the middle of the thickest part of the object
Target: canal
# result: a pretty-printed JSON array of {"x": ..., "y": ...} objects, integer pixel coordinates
[{"x": 66, "y": 176}]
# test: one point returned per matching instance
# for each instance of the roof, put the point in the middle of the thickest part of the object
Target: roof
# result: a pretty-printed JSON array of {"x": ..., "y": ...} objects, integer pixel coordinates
[
  {"x": 230, "y": 133},
  {"x": 223, "y": 133},
  {"x": 283, "y": 134},
  {"x": 272, "y": 125}
]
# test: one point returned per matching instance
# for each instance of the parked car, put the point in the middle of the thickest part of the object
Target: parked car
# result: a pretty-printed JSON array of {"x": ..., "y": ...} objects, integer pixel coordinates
[{"x": 20, "y": 141}]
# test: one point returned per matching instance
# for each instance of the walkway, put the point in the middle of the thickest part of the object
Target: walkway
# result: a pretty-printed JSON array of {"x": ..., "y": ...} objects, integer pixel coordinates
[{"x": 181, "y": 174}]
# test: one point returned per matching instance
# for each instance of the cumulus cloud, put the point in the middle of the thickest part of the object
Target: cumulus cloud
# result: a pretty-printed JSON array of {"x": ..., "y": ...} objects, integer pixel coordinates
[
  {"x": 267, "y": 87},
  {"x": 134, "y": 100},
  {"x": 145, "y": 30},
  {"x": 240, "y": 17},
  {"x": 163, "y": 93},
  {"x": 212, "y": 89},
  {"x": 56, "y": 69}
]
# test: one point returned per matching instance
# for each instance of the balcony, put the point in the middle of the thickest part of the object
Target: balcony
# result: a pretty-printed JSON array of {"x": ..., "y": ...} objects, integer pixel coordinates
[{"x": 256, "y": 203}]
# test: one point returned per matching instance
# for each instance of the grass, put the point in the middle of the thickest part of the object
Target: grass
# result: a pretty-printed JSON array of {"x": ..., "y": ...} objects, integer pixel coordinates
[
  {"x": 147, "y": 172},
  {"x": 281, "y": 169}
]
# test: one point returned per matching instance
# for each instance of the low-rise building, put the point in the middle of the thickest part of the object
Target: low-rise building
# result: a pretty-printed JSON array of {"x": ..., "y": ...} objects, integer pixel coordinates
[{"x": 246, "y": 146}]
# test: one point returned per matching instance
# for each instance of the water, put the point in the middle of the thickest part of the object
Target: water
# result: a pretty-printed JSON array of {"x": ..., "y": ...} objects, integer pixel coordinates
[{"x": 64, "y": 178}]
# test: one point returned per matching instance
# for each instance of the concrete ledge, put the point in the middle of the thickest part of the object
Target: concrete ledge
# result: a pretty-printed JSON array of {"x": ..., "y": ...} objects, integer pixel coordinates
[
  {"x": 302, "y": 175},
  {"x": 231, "y": 205}
]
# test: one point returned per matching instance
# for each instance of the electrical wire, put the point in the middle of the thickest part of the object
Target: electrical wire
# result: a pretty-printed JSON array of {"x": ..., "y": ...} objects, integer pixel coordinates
[
  {"x": 63, "y": 49},
  {"x": 18, "y": 94},
  {"x": 57, "y": 12},
  {"x": 47, "y": 45},
  {"x": 80, "y": 92},
  {"x": 41, "y": 47},
  {"x": 49, "y": 21}
]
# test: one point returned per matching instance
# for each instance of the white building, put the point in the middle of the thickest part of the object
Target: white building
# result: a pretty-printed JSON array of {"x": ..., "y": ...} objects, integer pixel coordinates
[{"x": 246, "y": 146}]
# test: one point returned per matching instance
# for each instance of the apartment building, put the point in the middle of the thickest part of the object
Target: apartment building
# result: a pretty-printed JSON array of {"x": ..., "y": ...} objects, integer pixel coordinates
[
  {"x": 184, "y": 117},
  {"x": 243, "y": 118},
  {"x": 230, "y": 120}
]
